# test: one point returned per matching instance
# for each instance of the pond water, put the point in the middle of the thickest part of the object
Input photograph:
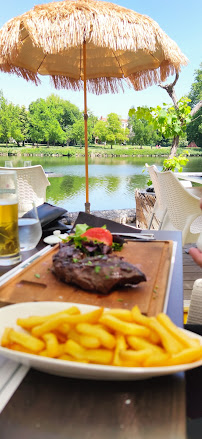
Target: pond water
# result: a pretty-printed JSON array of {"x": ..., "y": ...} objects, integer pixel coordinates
[{"x": 112, "y": 181}]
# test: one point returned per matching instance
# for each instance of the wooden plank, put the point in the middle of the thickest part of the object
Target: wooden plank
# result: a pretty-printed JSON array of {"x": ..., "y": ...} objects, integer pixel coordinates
[{"x": 152, "y": 258}]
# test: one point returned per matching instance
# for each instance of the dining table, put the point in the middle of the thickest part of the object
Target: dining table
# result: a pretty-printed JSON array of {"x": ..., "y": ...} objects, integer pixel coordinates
[
  {"x": 46, "y": 406},
  {"x": 194, "y": 177}
]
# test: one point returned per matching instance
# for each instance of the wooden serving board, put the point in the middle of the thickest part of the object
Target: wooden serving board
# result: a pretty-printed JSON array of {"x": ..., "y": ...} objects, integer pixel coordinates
[{"x": 37, "y": 282}]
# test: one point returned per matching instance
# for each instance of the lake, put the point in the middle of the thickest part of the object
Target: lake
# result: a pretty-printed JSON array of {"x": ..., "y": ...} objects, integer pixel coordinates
[{"x": 112, "y": 181}]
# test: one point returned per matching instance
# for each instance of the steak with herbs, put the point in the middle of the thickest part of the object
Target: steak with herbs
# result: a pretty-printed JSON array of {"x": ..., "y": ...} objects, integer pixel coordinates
[{"x": 99, "y": 274}]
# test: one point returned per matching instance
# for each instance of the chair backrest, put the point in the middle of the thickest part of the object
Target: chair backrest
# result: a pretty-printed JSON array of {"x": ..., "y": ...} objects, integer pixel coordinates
[
  {"x": 154, "y": 178},
  {"x": 179, "y": 202},
  {"x": 32, "y": 183}
]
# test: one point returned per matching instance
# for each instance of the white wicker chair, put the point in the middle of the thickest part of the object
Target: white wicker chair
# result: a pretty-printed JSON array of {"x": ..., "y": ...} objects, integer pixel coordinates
[
  {"x": 160, "y": 210},
  {"x": 195, "y": 308},
  {"x": 182, "y": 207},
  {"x": 32, "y": 183}
]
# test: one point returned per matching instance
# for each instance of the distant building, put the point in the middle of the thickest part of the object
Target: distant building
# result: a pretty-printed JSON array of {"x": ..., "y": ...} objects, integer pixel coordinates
[
  {"x": 124, "y": 122},
  {"x": 192, "y": 145}
]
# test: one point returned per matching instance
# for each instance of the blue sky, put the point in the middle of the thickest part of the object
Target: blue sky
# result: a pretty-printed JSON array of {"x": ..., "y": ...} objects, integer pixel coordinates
[{"x": 180, "y": 19}]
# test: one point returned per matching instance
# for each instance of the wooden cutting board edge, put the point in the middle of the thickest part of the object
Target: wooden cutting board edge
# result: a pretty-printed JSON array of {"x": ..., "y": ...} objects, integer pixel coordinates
[{"x": 156, "y": 306}]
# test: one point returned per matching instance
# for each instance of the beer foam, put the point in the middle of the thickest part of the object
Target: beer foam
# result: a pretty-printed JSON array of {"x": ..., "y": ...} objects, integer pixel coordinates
[{"x": 5, "y": 202}]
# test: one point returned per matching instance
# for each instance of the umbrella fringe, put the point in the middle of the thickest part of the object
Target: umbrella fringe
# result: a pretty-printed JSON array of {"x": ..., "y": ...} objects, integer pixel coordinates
[
  {"x": 21, "y": 72},
  {"x": 139, "y": 80},
  {"x": 143, "y": 79},
  {"x": 96, "y": 86}
]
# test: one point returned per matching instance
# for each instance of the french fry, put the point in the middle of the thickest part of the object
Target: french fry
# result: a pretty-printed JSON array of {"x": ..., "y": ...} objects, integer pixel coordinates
[
  {"x": 171, "y": 345},
  {"x": 183, "y": 338},
  {"x": 120, "y": 346},
  {"x": 139, "y": 343},
  {"x": 186, "y": 356},
  {"x": 139, "y": 318},
  {"x": 134, "y": 358},
  {"x": 27, "y": 341},
  {"x": 61, "y": 349},
  {"x": 157, "y": 359},
  {"x": 64, "y": 328},
  {"x": 99, "y": 356},
  {"x": 85, "y": 340},
  {"x": 62, "y": 338},
  {"x": 74, "y": 349},
  {"x": 122, "y": 314},
  {"x": 124, "y": 327},
  {"x": 5, "y": 341},
  {"x": 106, "y": 339},
  {"x": 30, "y": 322},
  {"x": 55, "y": 322},
  {"x": 51, "y": 344},
  {"x": 20, "y": 348},
  {"x": 66, "y": 357}
]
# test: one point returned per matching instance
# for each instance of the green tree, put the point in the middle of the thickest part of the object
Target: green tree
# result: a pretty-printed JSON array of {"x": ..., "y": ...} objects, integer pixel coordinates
[
  {"x": 77, "y": 132},
  {"x": 194, "y": 129},
  {"x": 100, "y": 130},
  {"x": 44, "y": 116},
  {"x": 141, "y": 132},
  {"x": 115, "y": 133},
  {"x": 54, "y": 133},
  {"x": 24, "y": 123},
  {"x": 169, "y": 120},
  {"x": 5, "y": 119},
  {"x": 64, "y": 111},
  {"x": 38, "y": 120}
]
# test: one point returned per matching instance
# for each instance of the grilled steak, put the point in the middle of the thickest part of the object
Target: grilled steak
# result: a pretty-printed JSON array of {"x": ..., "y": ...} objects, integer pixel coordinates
[{"x": 97, "y": 274}]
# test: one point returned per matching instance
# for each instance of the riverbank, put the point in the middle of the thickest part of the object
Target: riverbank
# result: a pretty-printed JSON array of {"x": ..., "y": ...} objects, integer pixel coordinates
[
  {"x": 95, "y": 151},
  {"x": 122, "y": 216}
]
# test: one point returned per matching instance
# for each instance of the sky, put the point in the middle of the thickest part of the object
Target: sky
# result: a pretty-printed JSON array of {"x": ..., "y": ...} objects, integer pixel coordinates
[{"x": 180, "y": 20}]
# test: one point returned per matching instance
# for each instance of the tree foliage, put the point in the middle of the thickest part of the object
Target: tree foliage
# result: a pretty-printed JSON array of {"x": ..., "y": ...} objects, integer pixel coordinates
[
  {"x": 194, "y": 129},
  {"x": 166, "y": 120},
  {"x": 141, "y": 132}
]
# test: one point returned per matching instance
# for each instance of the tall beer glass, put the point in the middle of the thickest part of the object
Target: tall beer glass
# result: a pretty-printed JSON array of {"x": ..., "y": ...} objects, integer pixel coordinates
[{"x": 9, "y": 238}]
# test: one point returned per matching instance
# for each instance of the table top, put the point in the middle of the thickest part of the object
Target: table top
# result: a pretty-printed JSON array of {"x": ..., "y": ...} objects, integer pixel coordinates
[
  {"x": 194, "y": 177},
  {"x": 47, "y": 406}
]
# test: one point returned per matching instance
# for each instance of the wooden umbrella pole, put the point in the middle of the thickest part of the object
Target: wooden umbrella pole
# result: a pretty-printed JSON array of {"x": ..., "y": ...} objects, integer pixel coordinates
[{"x": 87, "y": 204}]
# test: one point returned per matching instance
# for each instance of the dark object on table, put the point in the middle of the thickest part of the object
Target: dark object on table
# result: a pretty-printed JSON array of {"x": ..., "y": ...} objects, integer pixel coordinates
[
  {"x": 51, "y": 218},
  {"x": 95, "y": 221},
  {"x": 99, "y": 274},
  {"x": 150, "y": 189}
]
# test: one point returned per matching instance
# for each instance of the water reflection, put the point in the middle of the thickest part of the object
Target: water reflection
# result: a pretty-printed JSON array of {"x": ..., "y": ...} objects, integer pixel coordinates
[{"x": 112, "y": 181}]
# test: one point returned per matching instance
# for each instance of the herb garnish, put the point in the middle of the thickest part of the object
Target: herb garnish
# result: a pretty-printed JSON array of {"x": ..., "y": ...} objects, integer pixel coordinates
[{"x": 97, "y": 268}]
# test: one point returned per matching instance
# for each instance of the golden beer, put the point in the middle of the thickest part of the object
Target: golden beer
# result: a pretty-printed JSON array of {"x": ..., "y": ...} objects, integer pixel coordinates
[{"x": 9, "y": 241}]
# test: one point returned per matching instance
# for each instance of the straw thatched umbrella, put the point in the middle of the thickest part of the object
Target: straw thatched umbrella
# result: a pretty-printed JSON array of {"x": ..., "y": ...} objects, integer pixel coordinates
[{"x": 90, "y": 45}]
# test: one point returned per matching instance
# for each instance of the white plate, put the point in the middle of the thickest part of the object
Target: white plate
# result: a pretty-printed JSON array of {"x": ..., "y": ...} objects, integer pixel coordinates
[{"x": 8, "y": 316}]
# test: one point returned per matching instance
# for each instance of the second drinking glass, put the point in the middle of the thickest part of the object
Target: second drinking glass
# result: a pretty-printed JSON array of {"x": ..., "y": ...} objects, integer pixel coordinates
[{"x": 30, "y": 230}]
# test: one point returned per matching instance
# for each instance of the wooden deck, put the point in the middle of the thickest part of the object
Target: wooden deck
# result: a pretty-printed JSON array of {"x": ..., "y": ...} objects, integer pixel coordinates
[{"x": 191, "y": 272}]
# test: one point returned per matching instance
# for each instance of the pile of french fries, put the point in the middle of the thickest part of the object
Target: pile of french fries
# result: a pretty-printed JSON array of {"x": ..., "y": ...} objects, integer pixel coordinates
[{"x": 117, "y": 337}]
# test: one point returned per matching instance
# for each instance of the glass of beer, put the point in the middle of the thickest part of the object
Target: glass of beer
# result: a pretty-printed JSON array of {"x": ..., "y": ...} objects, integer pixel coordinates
[{"x": 9, "y": 237}]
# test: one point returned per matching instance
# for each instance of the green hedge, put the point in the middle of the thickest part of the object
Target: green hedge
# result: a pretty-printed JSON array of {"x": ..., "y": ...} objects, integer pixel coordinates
[{"x": 117, "y": 150}]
